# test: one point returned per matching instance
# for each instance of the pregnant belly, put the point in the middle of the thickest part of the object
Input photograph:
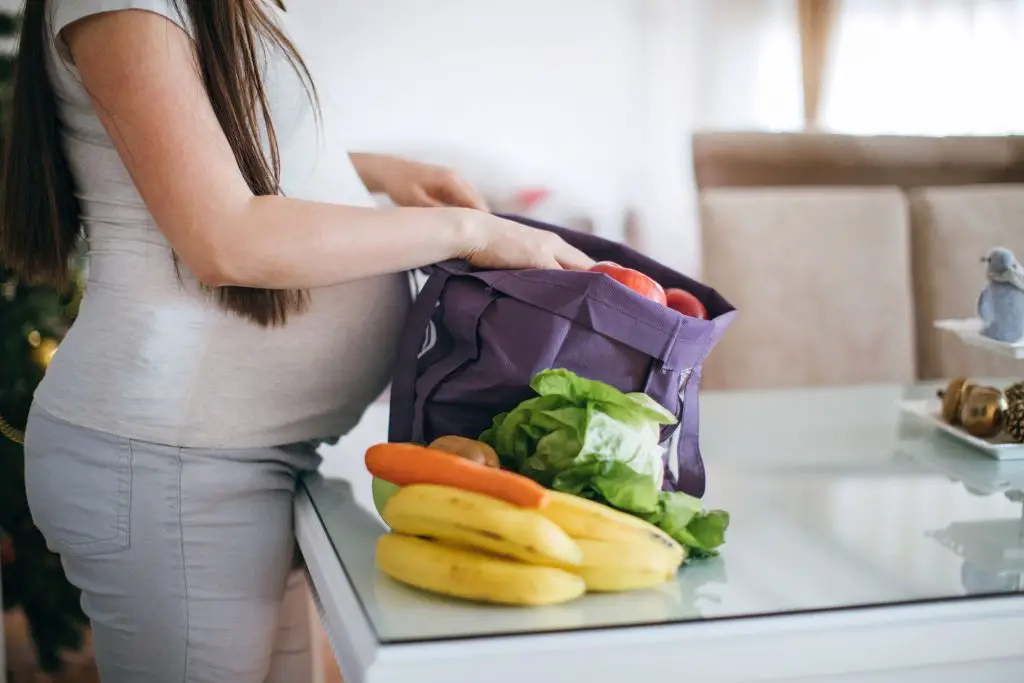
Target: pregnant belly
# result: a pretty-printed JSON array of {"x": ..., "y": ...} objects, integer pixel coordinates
[{"x": 186, "y": 371}]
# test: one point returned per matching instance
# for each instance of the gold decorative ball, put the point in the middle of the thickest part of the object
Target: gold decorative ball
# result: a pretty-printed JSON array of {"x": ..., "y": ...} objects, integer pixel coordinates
[
  {"x": 983, "y": 412},
  {"x": 43, "y": 353},
  {"x": 953, "y": 398}
]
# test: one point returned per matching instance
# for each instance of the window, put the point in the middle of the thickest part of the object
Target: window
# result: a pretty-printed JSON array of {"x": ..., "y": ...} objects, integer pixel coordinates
[{"x": 927, "y": 67}]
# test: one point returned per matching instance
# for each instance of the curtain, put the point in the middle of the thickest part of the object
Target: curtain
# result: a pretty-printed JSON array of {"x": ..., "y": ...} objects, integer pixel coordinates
[
  {"x": 927, "y": 67},
  {"x": 817, "y": 22}
]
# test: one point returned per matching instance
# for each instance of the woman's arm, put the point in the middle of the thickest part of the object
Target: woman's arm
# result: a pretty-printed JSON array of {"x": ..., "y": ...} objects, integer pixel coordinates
[
  {"x": 411, "y": 183},
  {"x": 141, "y": 74},
  {"x": 372, "y": 169}
]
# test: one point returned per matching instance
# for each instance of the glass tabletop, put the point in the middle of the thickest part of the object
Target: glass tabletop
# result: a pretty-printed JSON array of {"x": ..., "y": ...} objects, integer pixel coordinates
[{"x": 837, "y": 501}]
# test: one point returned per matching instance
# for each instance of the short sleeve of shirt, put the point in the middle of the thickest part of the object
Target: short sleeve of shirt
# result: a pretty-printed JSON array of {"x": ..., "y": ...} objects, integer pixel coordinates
[{"x": 65, "y": 12}]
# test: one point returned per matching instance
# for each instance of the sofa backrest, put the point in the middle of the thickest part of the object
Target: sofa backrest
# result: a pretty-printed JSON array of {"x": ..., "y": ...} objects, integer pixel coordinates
[
  {"x": 821, "y": 277},
  {"x": 821, "y": 159}
]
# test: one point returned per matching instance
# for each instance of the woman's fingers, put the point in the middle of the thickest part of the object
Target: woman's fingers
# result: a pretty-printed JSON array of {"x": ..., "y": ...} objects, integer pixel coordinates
[{"x": 572, "y": 258}]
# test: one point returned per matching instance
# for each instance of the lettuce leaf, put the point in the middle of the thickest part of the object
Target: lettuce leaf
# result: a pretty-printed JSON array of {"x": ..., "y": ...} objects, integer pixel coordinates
[{"x": 589, "y": 439}]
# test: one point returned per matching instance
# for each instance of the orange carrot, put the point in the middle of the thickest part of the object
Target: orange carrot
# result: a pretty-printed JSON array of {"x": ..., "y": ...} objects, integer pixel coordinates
[{"x": 404, "y": 464}]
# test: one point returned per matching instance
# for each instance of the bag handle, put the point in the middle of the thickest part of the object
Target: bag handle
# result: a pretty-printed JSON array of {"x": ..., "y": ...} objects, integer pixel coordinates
[
  {"x": 691, "y": 478},
  {"x": 403, "y": 384},
  {"x": 465, "y": 349}
]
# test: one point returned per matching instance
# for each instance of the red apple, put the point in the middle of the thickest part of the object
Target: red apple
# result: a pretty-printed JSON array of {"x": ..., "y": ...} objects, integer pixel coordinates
[
  {"x": 634, "y": 279},
  {"x": 686, "y": 303}
]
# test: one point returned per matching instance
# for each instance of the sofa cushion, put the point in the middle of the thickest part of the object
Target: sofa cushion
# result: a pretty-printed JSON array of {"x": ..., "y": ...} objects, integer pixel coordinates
[
  {"x": 952, "y": 228},
  {"x": 821, "y": 278}
]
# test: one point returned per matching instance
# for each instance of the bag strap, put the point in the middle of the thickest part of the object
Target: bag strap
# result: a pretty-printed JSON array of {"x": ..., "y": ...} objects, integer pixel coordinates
[
  {"x": 692, "y": 478},
  {"x": 403, "y": 385},
  {"x": 465, "y": 349}
]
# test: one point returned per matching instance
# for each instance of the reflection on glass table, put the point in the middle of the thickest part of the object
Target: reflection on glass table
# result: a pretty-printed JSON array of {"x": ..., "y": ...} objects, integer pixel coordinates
[{"x": 992, "y": 550}]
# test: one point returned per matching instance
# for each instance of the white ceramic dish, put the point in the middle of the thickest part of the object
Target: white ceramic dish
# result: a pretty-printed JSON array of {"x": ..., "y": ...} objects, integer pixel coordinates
[
  {"x": 969, "y": 332},
  {"x": 1000, "y": 448}
]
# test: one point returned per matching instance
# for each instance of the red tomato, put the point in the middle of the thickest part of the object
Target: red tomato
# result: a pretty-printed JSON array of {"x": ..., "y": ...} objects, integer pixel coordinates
[
  {"x": 686, "y": 303},
  {"x": 634, "y": 279}
]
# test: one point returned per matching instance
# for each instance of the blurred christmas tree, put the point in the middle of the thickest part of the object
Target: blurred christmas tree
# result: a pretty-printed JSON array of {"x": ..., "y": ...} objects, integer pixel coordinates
[{"x": 32, "y": 320}]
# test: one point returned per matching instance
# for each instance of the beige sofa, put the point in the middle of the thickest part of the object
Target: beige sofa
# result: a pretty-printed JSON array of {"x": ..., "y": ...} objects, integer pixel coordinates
[{"x": 841, "y": 251}]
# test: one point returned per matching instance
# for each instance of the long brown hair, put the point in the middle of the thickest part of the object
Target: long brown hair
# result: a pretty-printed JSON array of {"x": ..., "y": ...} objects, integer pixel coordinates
[{"x": 39, "y": 212}]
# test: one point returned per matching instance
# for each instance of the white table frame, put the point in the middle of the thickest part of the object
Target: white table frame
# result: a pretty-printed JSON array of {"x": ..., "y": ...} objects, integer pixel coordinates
[{"x": 893, "y": 643}]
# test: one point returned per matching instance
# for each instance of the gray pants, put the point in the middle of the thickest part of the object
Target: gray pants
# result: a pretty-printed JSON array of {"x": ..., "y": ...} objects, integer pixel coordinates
[{"x": 184, "y": 556}]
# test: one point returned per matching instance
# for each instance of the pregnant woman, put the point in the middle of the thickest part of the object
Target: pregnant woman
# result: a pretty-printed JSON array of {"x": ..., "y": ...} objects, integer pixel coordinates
[{"x": 243, "y": 302}]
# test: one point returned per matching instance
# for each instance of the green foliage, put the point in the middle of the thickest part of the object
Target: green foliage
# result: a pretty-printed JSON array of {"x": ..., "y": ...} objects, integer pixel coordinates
[{"x": 32, "y": 318}]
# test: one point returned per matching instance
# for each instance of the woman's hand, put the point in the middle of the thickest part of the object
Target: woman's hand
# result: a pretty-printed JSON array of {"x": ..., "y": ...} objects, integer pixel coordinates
[
  {"x": 411, "y": 183},
  {"x": 496, "y": 243},
  {"x": 484, "y": 240}
]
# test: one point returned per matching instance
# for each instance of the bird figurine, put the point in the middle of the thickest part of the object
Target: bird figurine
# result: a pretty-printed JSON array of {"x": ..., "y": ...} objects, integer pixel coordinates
[{"x": 1001, "y": 303}]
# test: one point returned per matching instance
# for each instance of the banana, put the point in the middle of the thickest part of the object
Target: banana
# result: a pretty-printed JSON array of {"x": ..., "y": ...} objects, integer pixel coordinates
[
  {"x": 478, "y": 521},
  {"x": 614, "y": 580},
  {"x": 582, "y": 518},
  {"x": 462, "y": 573},
  {"x": 621, "y": 566}
]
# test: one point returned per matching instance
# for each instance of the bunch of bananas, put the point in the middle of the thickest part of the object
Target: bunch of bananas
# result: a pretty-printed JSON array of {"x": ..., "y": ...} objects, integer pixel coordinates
[{"x": 468, "y": 545}]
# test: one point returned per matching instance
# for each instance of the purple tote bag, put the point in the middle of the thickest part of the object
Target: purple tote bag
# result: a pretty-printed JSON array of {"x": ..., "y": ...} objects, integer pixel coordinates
[{"x": 475, "y": 339}]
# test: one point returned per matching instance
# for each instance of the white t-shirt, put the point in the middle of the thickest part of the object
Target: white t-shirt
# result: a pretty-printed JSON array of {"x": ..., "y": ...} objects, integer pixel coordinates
[{"x": 153, "y": 358}]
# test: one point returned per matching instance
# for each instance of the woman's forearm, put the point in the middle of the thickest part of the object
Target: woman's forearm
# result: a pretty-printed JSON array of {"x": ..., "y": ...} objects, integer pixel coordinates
[
  {"x": 282, "y": 243},
  {"x": 371, "y": 169}
]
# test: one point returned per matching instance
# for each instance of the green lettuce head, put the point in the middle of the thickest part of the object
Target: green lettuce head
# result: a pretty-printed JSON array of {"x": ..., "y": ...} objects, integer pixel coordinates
[{"x": 588, "y": 438}]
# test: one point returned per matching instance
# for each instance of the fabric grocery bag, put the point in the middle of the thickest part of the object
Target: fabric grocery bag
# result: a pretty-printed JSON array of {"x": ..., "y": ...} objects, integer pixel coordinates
[{"x": 475, "y": 339}]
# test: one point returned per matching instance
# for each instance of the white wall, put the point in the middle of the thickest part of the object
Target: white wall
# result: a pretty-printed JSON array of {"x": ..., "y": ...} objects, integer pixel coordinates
[
  {"x": 570, "y": 93},
  {"x": 523, "y": 90}
]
